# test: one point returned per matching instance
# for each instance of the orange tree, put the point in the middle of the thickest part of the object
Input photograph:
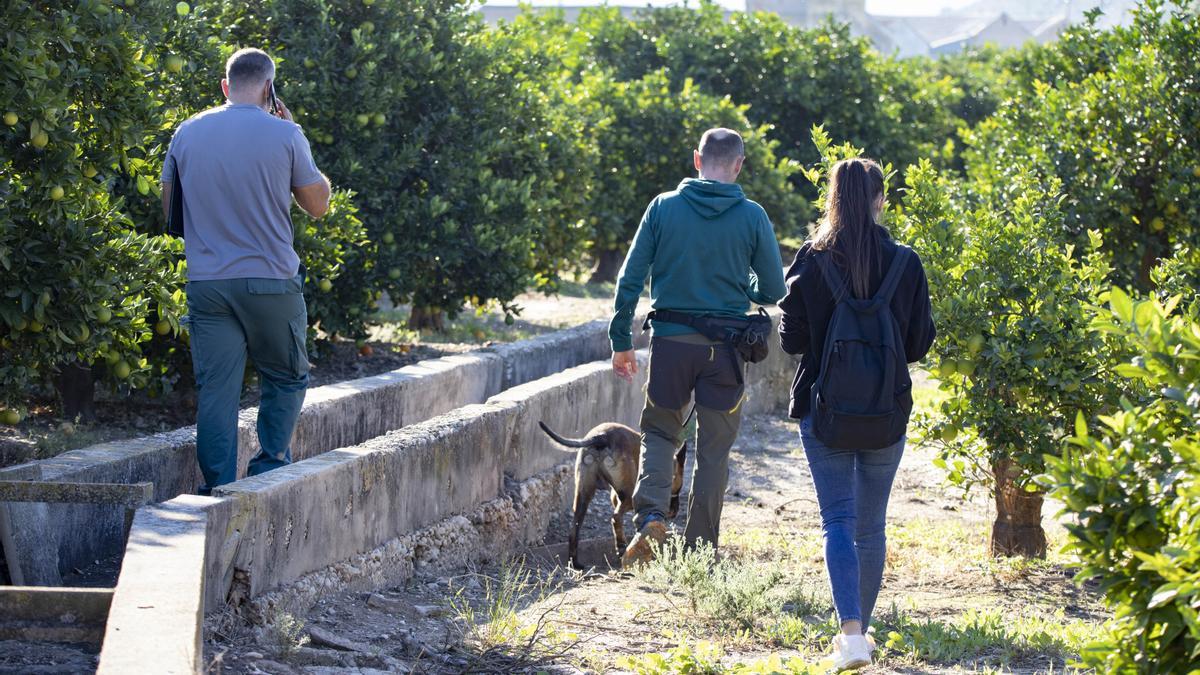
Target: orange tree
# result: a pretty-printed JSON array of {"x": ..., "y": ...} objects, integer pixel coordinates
[
  {"x": 1179, "y": 276},
  {"x": 78, "y": 280},
  {"x": 794, "y": 78},
  {"x": 1113, "y": 116},
  {"x": 186, "y": 59},
  {"x": 1015, "y": 350},
  {"x": 328, "y": 245},
  {"x": 1131, "y": 483},
  {"x": 647, "y": 136},
  {"x": 459, "y": 168},
  {"x": 788, "y": 79},
  {"x": 92, "y": 96}
]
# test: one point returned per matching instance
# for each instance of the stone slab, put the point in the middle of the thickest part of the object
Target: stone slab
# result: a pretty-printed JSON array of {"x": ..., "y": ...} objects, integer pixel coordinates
[
  {"x": 40, "y": 614},
  {"x": 155, "y": 623},
  {"x": 42, "y": 492}
]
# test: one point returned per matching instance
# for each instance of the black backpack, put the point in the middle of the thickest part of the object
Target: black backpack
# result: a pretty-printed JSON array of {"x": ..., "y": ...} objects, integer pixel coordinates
[{"x": 863, "y": 395}]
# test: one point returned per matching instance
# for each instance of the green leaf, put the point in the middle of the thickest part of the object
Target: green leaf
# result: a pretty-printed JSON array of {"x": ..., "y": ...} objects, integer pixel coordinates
[
  {"x": 1131, "y": 371},
  {"x": 1122, "y": 305},
  {"x": 1163, "y": 595}
]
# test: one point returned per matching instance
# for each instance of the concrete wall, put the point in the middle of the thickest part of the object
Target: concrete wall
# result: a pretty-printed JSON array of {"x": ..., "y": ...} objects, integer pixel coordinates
[
  {"x": 339, "y": 415},
  {"x": 301, "y": 518},
  {"x": 350, "y": 516}
]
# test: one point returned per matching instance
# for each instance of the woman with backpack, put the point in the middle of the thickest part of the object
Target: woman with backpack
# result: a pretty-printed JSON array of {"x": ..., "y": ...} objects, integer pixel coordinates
[{"x": 857, "y": 311}]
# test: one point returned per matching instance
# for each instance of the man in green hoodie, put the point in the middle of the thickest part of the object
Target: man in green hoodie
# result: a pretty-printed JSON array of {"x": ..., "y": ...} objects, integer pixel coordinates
[{"x": 709, "y": 252}]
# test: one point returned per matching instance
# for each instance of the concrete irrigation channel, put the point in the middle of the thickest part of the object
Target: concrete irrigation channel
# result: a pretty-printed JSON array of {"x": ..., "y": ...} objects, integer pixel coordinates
[{"x": 438, "y": 464}]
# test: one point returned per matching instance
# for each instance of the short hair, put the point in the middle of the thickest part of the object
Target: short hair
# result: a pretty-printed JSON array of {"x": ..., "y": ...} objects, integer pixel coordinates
[
  {"x": 248, "y": 66},
  {"x": 721, "y": 147}
]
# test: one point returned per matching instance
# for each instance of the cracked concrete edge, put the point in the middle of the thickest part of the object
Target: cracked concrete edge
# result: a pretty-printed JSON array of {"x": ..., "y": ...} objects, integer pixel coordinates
[{"x": 160, "y": 592}]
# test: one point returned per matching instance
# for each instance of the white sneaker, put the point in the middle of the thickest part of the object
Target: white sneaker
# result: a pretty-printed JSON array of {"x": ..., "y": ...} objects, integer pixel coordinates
[{"x": 851, "y": 652}]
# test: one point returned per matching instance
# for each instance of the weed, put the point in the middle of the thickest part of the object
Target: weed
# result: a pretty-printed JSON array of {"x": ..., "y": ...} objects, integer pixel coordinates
[
  {"x": 808, "y": 633},
  {"x": 803, "y": 600},
  {"x": 66, "y": 437},
  {"x": 705, "y": 658},
  {"x": 729, "y": 591},
  {"x": 988, "y": 637},
  {"x": 286, "y": 633},
  {"x": 927, "y": 396},
  {"x": 775, "y": 544},
  {"x": 493, "y": 630}
]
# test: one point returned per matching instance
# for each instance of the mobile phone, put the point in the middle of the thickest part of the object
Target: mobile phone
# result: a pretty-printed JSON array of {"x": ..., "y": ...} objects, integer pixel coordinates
[{"x": 274, "y": 104}]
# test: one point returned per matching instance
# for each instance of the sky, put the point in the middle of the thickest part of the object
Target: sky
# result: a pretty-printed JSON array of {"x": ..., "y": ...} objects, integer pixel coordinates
[{"x": 890, "y": 7}]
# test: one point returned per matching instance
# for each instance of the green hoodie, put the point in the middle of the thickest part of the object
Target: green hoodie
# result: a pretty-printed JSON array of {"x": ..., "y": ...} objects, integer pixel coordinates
[{"x": 707, "y": 250}]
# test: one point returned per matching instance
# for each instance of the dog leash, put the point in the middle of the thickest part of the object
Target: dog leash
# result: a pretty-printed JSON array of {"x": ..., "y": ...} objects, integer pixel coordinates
[{"x": 687, "y": 420}]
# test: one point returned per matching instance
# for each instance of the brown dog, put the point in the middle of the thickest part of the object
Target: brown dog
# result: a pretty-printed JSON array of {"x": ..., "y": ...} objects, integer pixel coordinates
[{"x": 610, "y": 453}]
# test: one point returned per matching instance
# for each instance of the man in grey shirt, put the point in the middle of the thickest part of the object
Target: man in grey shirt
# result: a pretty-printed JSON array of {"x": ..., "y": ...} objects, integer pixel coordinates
[{"x": 239, "y": 165}]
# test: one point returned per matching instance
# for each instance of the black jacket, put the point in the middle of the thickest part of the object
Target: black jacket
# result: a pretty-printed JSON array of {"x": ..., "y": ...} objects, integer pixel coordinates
[{"x": 808, "y": 306}]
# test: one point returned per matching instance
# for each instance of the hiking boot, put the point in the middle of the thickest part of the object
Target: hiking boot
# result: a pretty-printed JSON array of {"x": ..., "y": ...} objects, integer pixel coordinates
[
  {"x": 851, "y": 652},
  {"x": 641, "y": 550}
]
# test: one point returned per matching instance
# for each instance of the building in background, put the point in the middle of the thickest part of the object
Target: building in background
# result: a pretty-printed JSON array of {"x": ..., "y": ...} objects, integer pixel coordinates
[{"x": 1003, "y": 23}]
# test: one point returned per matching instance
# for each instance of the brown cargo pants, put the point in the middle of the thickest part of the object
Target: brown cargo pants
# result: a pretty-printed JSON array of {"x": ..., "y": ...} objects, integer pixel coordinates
[{"x": 682, "y": 367}]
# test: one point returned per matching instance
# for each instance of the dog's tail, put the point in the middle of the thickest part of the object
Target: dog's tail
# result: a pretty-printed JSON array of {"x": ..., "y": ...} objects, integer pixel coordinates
[{"x": 590, "y": 442}]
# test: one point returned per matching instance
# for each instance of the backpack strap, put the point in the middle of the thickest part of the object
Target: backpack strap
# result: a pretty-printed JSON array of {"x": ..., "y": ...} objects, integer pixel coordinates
[
  {"x": 833, "y": 278},
  {"x": 890, "y": 282}
]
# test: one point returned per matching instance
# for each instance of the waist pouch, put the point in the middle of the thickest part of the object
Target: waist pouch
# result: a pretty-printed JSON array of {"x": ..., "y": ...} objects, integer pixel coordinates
[{"x": 748, "y": 336}]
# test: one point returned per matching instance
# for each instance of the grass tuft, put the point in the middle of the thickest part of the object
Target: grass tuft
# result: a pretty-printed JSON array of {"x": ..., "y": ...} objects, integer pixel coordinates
[
  {"x": 729, "y": 592},
  {"x": 285, "y": 633},
  {"x": 706, "y": 658},
  {"x": 989, "y": 638},
  {"x": 493, "y": 632}
]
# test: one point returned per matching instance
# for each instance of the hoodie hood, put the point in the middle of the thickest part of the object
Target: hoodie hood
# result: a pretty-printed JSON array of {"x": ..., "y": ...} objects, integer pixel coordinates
[{"x": 711, "y": 198}]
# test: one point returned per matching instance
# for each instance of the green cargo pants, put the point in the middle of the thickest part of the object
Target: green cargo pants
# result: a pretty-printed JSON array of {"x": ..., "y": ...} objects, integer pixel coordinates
[
  {"x": 229, "y": 319},
  {"x": 680, "y": 367}
]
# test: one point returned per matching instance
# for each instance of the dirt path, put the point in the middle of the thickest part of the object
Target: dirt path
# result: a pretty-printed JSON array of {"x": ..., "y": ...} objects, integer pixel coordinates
[{"x": 946, "y": 605}]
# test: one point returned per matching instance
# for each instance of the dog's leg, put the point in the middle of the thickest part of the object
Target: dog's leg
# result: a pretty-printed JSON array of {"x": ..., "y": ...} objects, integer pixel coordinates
[
  {"x": 585, "y": 489},
  {"x": 677, "y": 480},
  {"x": 620, "y": 506}
]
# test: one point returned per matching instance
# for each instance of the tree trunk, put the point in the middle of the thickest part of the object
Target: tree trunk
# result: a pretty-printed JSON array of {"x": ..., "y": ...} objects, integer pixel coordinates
[
  {"x": 1018, "y": 527},
  {"x": 77, "y": 389},
  {"x": 608, "y": 263},
  {"x": 427, "y": 318}
]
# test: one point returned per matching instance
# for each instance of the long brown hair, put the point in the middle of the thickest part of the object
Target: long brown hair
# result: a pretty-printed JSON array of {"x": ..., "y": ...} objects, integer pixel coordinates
[{"x": 848, "y": 230}]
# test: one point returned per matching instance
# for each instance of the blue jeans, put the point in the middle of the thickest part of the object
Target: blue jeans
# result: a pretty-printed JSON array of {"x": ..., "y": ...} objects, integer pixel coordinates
[
  {"x": 852, "y": 490},
  {"x": 230, "y": 319}
]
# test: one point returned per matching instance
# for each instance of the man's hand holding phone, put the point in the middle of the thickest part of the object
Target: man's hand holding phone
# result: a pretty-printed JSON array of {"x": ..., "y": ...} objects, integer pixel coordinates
[
  {"x": 278, "y": 109},
  {"x": 281, "y": 110}
]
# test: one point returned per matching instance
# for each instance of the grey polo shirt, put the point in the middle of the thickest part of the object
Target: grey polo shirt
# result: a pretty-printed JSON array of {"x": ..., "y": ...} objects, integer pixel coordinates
[{"x": 238, "y": 165}]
